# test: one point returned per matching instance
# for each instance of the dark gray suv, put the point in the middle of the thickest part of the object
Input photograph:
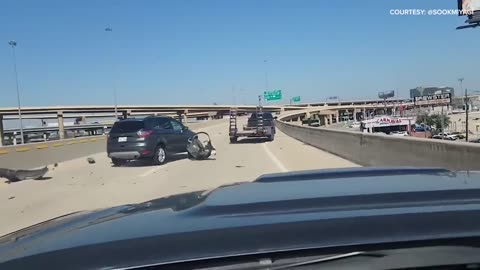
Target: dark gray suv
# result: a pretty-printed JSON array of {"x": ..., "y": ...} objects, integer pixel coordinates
[{"x": 147, "y": 138}]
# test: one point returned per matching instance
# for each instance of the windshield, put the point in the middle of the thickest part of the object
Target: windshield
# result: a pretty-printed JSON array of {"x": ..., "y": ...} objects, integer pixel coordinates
[
  {"x": 127, "y": 126},
  {"x": 102, "y": 102},
  {"x": 267, "y": 116}
]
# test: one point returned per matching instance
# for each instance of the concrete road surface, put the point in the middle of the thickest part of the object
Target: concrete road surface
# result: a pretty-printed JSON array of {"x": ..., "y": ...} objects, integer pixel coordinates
[{"x": 77, "y": 185}]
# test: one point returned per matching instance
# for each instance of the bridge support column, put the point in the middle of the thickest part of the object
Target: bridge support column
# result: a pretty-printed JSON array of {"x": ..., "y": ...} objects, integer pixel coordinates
[
  {"x": 337, "y": 116},
  {"x": 1, "y": 129},
  {"x": 185, "y": 116},
  {"x": 323, "y": 120},
  {"x": 354, "y": 114},
  {"x": 61, "y": 128},
  {"x": 330, "y": 119}
]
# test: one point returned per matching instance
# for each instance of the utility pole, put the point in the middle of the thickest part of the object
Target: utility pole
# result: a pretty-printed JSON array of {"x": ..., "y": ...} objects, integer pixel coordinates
[
  {"x": 466, "y": 108},
  {"x": 441, "y": 124},
  {"x": 466, "y": 115}
]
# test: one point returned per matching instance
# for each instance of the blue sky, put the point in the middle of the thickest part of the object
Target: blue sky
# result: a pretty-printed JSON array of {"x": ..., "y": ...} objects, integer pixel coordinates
[{"x": 206, "y": 51}]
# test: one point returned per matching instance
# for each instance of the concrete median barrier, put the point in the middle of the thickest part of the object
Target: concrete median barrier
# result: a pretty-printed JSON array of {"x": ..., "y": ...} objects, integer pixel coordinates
[
  {"x": 40, "y": 154},
  {"x": 384, "y": 150},
  {"x": 46, "y": 153}
]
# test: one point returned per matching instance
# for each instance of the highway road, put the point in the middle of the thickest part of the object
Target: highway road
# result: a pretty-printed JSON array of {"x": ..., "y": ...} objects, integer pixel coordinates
[{"x": 77, "y": 185}]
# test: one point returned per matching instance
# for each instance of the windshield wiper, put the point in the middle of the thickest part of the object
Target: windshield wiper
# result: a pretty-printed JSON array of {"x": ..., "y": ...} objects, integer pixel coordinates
[{"x": 272, "y": 264}]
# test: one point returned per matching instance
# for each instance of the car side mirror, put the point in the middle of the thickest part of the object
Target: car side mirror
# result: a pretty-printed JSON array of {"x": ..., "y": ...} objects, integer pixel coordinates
[
  {"x": 185, "y": 128},
  {"x": 275, "y": 117}
]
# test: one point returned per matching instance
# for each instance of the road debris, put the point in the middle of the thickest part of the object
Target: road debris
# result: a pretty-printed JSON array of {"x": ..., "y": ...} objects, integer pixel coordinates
[
  {"x": 200, "y": 147},
  {"x": 91, "y": 160},
  {"x": 20, "y": 175},
  {"x": 13, "y": 197}
]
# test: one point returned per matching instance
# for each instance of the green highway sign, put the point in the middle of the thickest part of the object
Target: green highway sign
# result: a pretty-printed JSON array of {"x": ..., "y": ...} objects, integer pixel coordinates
[
  {"x": 296, "y": 99},
  {"x": 272, "y": 95}
]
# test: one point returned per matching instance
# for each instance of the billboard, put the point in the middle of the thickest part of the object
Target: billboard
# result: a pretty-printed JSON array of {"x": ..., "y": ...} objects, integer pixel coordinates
[
  {"x": 467, "y": 7},
  {"x": 386, "y": 94},
  {"x": 433, "y": 99}
]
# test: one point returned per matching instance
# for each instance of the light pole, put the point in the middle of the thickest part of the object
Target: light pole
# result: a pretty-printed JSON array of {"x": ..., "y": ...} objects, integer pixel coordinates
[
  {"x": 266, "y": 75},
  {"x": 109, "y": 29},
  {"x": 466, "y": 108},
  {"x": 13, "y": 43},
  {"x": 466, "y": 115}
]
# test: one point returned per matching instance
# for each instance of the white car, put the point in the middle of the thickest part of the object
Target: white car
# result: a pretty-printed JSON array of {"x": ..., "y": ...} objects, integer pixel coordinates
[
  {"x": 448, "y": 136},
  {"x": 355, "y": 125}
]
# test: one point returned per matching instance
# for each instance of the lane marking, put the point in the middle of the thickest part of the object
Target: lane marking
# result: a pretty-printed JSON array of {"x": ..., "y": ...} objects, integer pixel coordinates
[
  {"x": 83, "y": 141},
  {"x": 43, "y": 146},
  {"x": 93, "y": 139},
  {"x": 152, "y": 170},
  {"x": 4, "y": 152},
  {"x": 57, "y": 144},
  {"x": 274, "y": 158},
  {"x": 23, "y": 149},
  {"x": 73, "y": 142}
]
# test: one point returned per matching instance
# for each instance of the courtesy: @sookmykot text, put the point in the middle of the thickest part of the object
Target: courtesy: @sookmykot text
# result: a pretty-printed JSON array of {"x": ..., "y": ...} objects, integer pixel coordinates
[{"x": 428, "y": 12}]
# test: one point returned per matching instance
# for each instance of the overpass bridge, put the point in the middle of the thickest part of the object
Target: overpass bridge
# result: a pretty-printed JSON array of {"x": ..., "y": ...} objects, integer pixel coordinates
[
  {"x": 76, "y": 185},
  {"x": 181, "y": 112}
]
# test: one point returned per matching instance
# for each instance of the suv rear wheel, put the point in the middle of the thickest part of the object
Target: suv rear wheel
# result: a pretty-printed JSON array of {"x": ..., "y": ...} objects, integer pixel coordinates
[{"x": 160, "y": 156}]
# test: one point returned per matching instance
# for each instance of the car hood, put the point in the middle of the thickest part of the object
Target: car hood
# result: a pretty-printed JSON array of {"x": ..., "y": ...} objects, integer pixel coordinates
[{"x": 274, "y": 213}]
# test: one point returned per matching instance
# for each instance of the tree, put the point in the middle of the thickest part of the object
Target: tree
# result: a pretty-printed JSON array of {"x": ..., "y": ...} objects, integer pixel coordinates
[{"x": 434, "y": 120}]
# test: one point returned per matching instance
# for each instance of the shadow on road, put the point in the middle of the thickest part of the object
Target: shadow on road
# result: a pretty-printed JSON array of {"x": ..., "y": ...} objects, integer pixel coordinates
[
  {"x": 43, "y": 178},
  {"x": 148, "y": 162},
  {"x": 135, "y": 163},
  {"x": 251, "y": 140}
]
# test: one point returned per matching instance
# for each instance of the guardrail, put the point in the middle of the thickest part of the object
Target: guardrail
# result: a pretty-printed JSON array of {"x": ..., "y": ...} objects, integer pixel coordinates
[
  {"x": 382, "y": 150},
  {"x": 40, "y": 154}
]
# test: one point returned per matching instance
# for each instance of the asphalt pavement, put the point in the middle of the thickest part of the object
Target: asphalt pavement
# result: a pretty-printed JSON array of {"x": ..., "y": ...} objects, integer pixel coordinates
[{"x": 77, "y": 185}]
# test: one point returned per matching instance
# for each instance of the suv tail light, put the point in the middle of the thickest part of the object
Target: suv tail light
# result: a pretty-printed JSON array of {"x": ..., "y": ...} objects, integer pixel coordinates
[{"x": 144, "y": 133}]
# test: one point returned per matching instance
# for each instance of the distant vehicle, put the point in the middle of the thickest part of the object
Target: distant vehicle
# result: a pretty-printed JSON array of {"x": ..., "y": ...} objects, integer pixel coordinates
[
  {"x": 459, "y": 135},
  {"x": 448, "y": 136},
  {"x": 149, "y": 138},
  {"x": 311, "y": 121},
  {"x": 399, "y": 133},
  {"x": 355, "y": 125},
  {"x": 444, "y": 136},
  {"x": 458, "y": 111},
  {"x": 354, "y": 218},
  {"x": 260, "y": 124}
]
